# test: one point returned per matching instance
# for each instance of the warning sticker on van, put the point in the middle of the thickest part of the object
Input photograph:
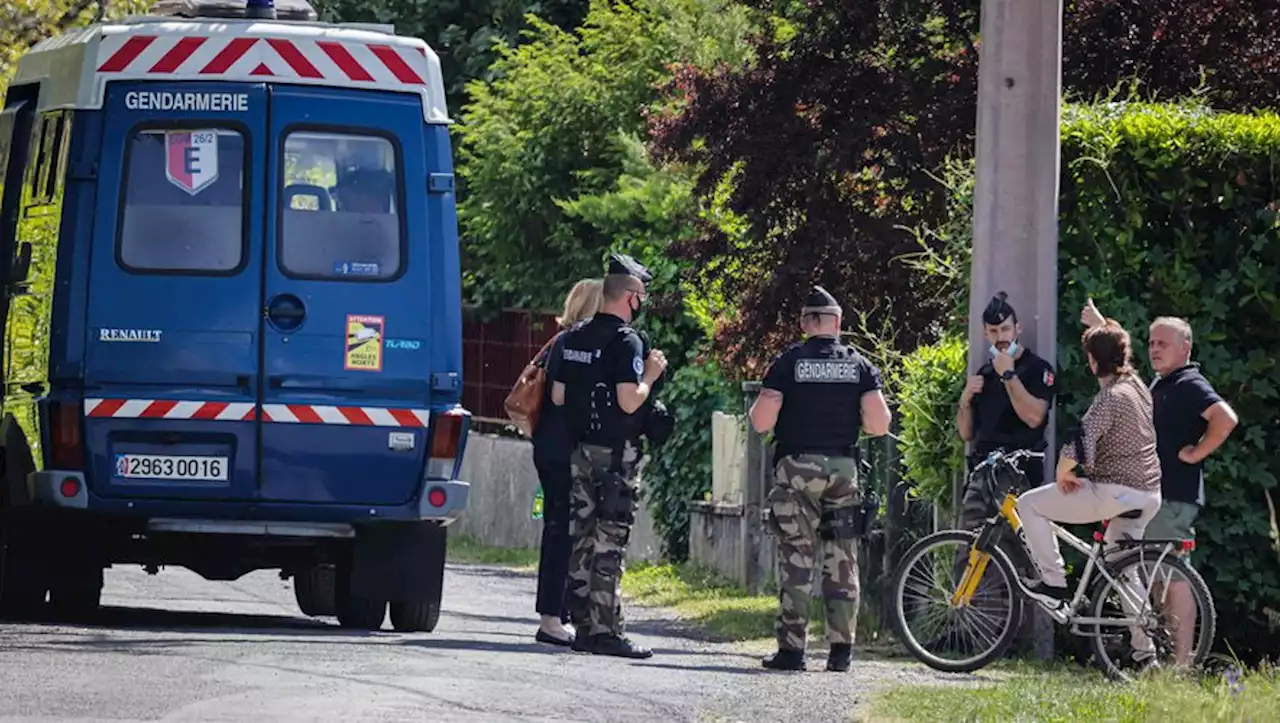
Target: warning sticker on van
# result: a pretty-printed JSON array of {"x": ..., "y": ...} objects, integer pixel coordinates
[
  {"x": 364, "y": 342},
  {"x": 191, "y": 159}
]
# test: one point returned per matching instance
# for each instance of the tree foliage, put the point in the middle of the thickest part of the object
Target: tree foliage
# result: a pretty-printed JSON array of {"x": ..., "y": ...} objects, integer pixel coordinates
[
  {"x": 466, "y": 35},
  {"x": 554, "y": 128},
  {"x": 24, "y": 23},
  {"x": 825, "y": 146}
]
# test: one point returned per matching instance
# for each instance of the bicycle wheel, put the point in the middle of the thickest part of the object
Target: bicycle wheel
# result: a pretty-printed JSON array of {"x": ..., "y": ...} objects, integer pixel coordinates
[
  {"x": 1150, "y": 574},
  {"x": 978, "y": 632}
]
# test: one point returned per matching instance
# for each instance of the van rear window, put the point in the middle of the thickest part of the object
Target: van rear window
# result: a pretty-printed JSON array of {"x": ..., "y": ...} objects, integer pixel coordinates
[
  {"x": 340, "y": 215},
  {"x": 184, "y": 201}
]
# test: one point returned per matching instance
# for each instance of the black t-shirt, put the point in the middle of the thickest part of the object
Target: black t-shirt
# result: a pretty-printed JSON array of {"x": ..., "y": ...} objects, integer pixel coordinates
[
  {"x": 592, "y": 361},
  {"x": 822, "y": 383},
  {"x": 1178, "y": 400},
  {"x": 995, "y": 422}
]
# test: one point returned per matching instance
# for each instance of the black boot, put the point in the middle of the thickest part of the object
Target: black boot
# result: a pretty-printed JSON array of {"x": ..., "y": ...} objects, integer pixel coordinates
[
  {"x": 785, "y": 659},
  {"x": 583, "y": 642},
  {"x": 619, "y": 646},
  {"x": 839, "y": 657}
]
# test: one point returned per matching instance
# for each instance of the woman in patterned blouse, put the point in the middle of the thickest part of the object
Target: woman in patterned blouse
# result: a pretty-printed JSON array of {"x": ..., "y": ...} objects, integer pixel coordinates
[{"x": 1119, "y": 471}]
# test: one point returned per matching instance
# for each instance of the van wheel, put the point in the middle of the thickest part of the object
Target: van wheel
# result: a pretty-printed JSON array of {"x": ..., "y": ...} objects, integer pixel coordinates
[
  {"x": 360, "y": 613},
  {"x": 356, "y": 611},
  {"x": 414, "y": 616},
  {"x": 77, "y": 592},
  {"x": 315, "y": 589},
  {"x": 23, "y": 584}
]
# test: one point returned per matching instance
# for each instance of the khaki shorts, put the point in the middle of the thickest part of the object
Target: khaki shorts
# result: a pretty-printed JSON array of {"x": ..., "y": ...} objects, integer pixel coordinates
[{"x": 1174, "y": 521}]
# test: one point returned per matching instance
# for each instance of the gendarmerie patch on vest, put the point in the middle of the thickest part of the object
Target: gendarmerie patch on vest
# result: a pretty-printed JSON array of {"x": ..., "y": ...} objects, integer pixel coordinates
[{"x": 827, "y": 371}]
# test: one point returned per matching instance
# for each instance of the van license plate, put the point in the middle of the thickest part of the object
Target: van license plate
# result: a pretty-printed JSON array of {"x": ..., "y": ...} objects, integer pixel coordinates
[{"x": 154, "y": 466}]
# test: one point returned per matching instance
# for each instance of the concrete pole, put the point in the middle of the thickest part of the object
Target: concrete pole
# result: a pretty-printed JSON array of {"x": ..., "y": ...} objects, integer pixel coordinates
[{"x": 1015, "y": 220}]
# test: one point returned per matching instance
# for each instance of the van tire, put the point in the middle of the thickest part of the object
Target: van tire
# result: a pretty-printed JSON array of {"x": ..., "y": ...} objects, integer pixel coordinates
[
  {"x": 355, "y": 611},
  {"x": 23, "y": 585},
  {"x": 414, "y": 616},
  {"x": 315, "y": 589},
  {"x": 77, "y": 592},
  {"x": 360, "y": 613}
]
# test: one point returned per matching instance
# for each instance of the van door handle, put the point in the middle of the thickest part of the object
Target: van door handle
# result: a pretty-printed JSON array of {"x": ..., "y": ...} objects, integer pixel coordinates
[{"x": 286, "y": 312}]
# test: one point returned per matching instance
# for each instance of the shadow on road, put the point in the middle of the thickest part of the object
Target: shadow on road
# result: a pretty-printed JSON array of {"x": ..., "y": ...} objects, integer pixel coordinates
[{"x": 156, "y": 620}]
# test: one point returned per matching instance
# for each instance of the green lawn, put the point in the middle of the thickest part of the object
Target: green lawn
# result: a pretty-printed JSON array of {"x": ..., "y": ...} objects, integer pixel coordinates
[{"x": 1049, "y": 694}]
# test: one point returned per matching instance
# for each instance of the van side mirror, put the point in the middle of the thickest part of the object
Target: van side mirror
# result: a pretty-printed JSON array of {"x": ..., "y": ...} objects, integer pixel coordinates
[{"x": 22, "y": 264}]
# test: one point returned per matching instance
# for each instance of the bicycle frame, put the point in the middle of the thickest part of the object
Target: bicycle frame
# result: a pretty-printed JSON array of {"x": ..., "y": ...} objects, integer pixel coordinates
[{"x": 979, "y": 558}]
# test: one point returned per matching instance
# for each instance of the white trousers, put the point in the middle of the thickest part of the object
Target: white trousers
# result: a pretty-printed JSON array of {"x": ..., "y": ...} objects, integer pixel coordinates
[{"x": 1089, "y": 503}]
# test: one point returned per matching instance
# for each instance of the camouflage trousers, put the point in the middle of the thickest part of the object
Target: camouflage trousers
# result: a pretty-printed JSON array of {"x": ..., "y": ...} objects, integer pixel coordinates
[
  {"x": 596, "y": 563},
  {"x": 804, "y": 486}
]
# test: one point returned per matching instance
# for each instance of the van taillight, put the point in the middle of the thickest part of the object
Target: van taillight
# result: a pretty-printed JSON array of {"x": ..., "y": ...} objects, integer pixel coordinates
[
  {"x": 446, "y": 443},
  {"x": 67, "y": 445},
  {"x": 446, "y": 435}
]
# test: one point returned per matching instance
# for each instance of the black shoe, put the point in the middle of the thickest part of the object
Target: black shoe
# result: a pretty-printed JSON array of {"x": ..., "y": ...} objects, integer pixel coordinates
[
  {"x": 839, "y": 657},
  {"x": 584, "y": 643},
  {"x": 620, "y": 646},
  {"x": 1051, "y": 595},
  {"x": 785, "y": 659},
  {"x": 545, "y": 637}
]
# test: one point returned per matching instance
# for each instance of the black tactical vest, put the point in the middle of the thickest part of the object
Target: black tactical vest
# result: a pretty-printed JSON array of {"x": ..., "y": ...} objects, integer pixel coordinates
[
  {"x": 592, "y": 414},
  {"x": 822, "y": 405}
]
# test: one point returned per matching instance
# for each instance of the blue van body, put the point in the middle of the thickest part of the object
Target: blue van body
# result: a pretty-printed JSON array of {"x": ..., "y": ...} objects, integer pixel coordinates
[{"x": 232, "y": 316}]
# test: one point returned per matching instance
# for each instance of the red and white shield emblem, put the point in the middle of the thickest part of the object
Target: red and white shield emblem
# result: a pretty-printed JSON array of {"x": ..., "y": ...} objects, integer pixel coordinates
[{"x": 191, "y": 159}]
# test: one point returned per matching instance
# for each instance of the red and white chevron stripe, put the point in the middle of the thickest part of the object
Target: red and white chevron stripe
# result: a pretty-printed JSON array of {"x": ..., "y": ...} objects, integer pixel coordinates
[
  {"x": 318, "y": 59},
  {"x": 360, "y": 416},
  {"x": 245, "y": 412},
  {"x": 168, "y": 409}
]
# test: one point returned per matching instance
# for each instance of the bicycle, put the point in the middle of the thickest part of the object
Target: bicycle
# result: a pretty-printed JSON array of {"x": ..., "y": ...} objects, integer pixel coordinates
[{"x": 1122, "y": 574}]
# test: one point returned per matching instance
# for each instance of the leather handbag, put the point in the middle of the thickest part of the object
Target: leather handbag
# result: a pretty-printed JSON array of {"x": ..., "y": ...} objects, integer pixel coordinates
[{"x": 524, "y": 402}]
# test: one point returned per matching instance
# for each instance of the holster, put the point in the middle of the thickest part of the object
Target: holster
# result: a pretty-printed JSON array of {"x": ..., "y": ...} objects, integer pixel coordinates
[{"x": 848, "y": 523}]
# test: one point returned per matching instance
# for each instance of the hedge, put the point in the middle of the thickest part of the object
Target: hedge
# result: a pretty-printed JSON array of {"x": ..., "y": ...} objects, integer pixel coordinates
[{"x": 1172, "y": 210}]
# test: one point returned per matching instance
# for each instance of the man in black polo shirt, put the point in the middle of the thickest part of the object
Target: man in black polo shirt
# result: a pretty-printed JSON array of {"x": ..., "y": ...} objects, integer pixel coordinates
[
  {"x": 1005, "y": 405},
  {"x": 1192, "y": 420}
]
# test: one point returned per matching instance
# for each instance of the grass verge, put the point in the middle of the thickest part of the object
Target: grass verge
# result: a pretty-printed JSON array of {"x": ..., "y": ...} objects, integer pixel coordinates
[
  {"x": 464, "y": 549},
  {"x": 1048, "y": 694}
]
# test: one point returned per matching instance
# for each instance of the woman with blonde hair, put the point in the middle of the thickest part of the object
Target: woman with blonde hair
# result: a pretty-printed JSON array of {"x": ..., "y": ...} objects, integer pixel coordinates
[{"x": 551, "y": 450}]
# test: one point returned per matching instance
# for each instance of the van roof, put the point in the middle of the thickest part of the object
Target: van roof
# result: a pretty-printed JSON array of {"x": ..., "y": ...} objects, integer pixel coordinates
[{"x": 76, "y": 67}]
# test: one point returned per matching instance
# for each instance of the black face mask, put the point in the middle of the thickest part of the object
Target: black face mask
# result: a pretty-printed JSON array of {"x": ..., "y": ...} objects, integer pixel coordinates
[{"x": 635, "y": 310}]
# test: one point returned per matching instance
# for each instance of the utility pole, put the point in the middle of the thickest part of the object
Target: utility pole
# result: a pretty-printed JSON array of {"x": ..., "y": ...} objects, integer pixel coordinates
[{"x": 1015, "y": 216}]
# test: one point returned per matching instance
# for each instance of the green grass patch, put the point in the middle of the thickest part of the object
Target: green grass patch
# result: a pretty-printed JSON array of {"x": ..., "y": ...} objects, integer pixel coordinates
[
  {"x": 702, "y": 597},
  {"x": 464, "y": 549},
  {"x": 1049, "y": 694}
]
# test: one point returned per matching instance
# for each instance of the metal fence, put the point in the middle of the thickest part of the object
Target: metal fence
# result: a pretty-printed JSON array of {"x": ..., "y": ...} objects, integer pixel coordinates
[{"x": 495, "y": 348}]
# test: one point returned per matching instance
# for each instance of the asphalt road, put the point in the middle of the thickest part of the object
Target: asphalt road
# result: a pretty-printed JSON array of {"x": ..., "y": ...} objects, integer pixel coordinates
[{"x": 173, "y": 647}]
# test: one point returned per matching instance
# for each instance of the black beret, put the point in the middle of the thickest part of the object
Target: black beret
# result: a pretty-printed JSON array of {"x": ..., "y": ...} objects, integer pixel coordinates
[
  {"x": 998, "y": 309},
  {"x": 624, "y": 264},
  {"x": 820, "y": 302}
]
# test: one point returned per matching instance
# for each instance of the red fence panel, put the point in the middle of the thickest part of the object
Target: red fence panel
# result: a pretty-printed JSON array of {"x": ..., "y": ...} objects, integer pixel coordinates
[{"x": 494, "y": 352}]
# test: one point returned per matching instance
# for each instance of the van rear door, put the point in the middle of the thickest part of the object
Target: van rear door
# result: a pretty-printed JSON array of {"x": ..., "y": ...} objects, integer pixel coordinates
[
  {"x": 171, "y": 362},
  {"x": 346, "y": 370}
]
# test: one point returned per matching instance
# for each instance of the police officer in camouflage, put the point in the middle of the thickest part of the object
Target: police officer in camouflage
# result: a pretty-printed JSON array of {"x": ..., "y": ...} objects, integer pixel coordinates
[
  {"x": 817, "y": 396},
  {"x": 604, "y": 378}
]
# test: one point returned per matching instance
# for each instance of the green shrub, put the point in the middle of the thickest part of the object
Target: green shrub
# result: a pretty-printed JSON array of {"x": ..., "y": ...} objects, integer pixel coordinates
[
  {"x": 928, "y": 387},
  {"x": 680, "y": 470}
]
